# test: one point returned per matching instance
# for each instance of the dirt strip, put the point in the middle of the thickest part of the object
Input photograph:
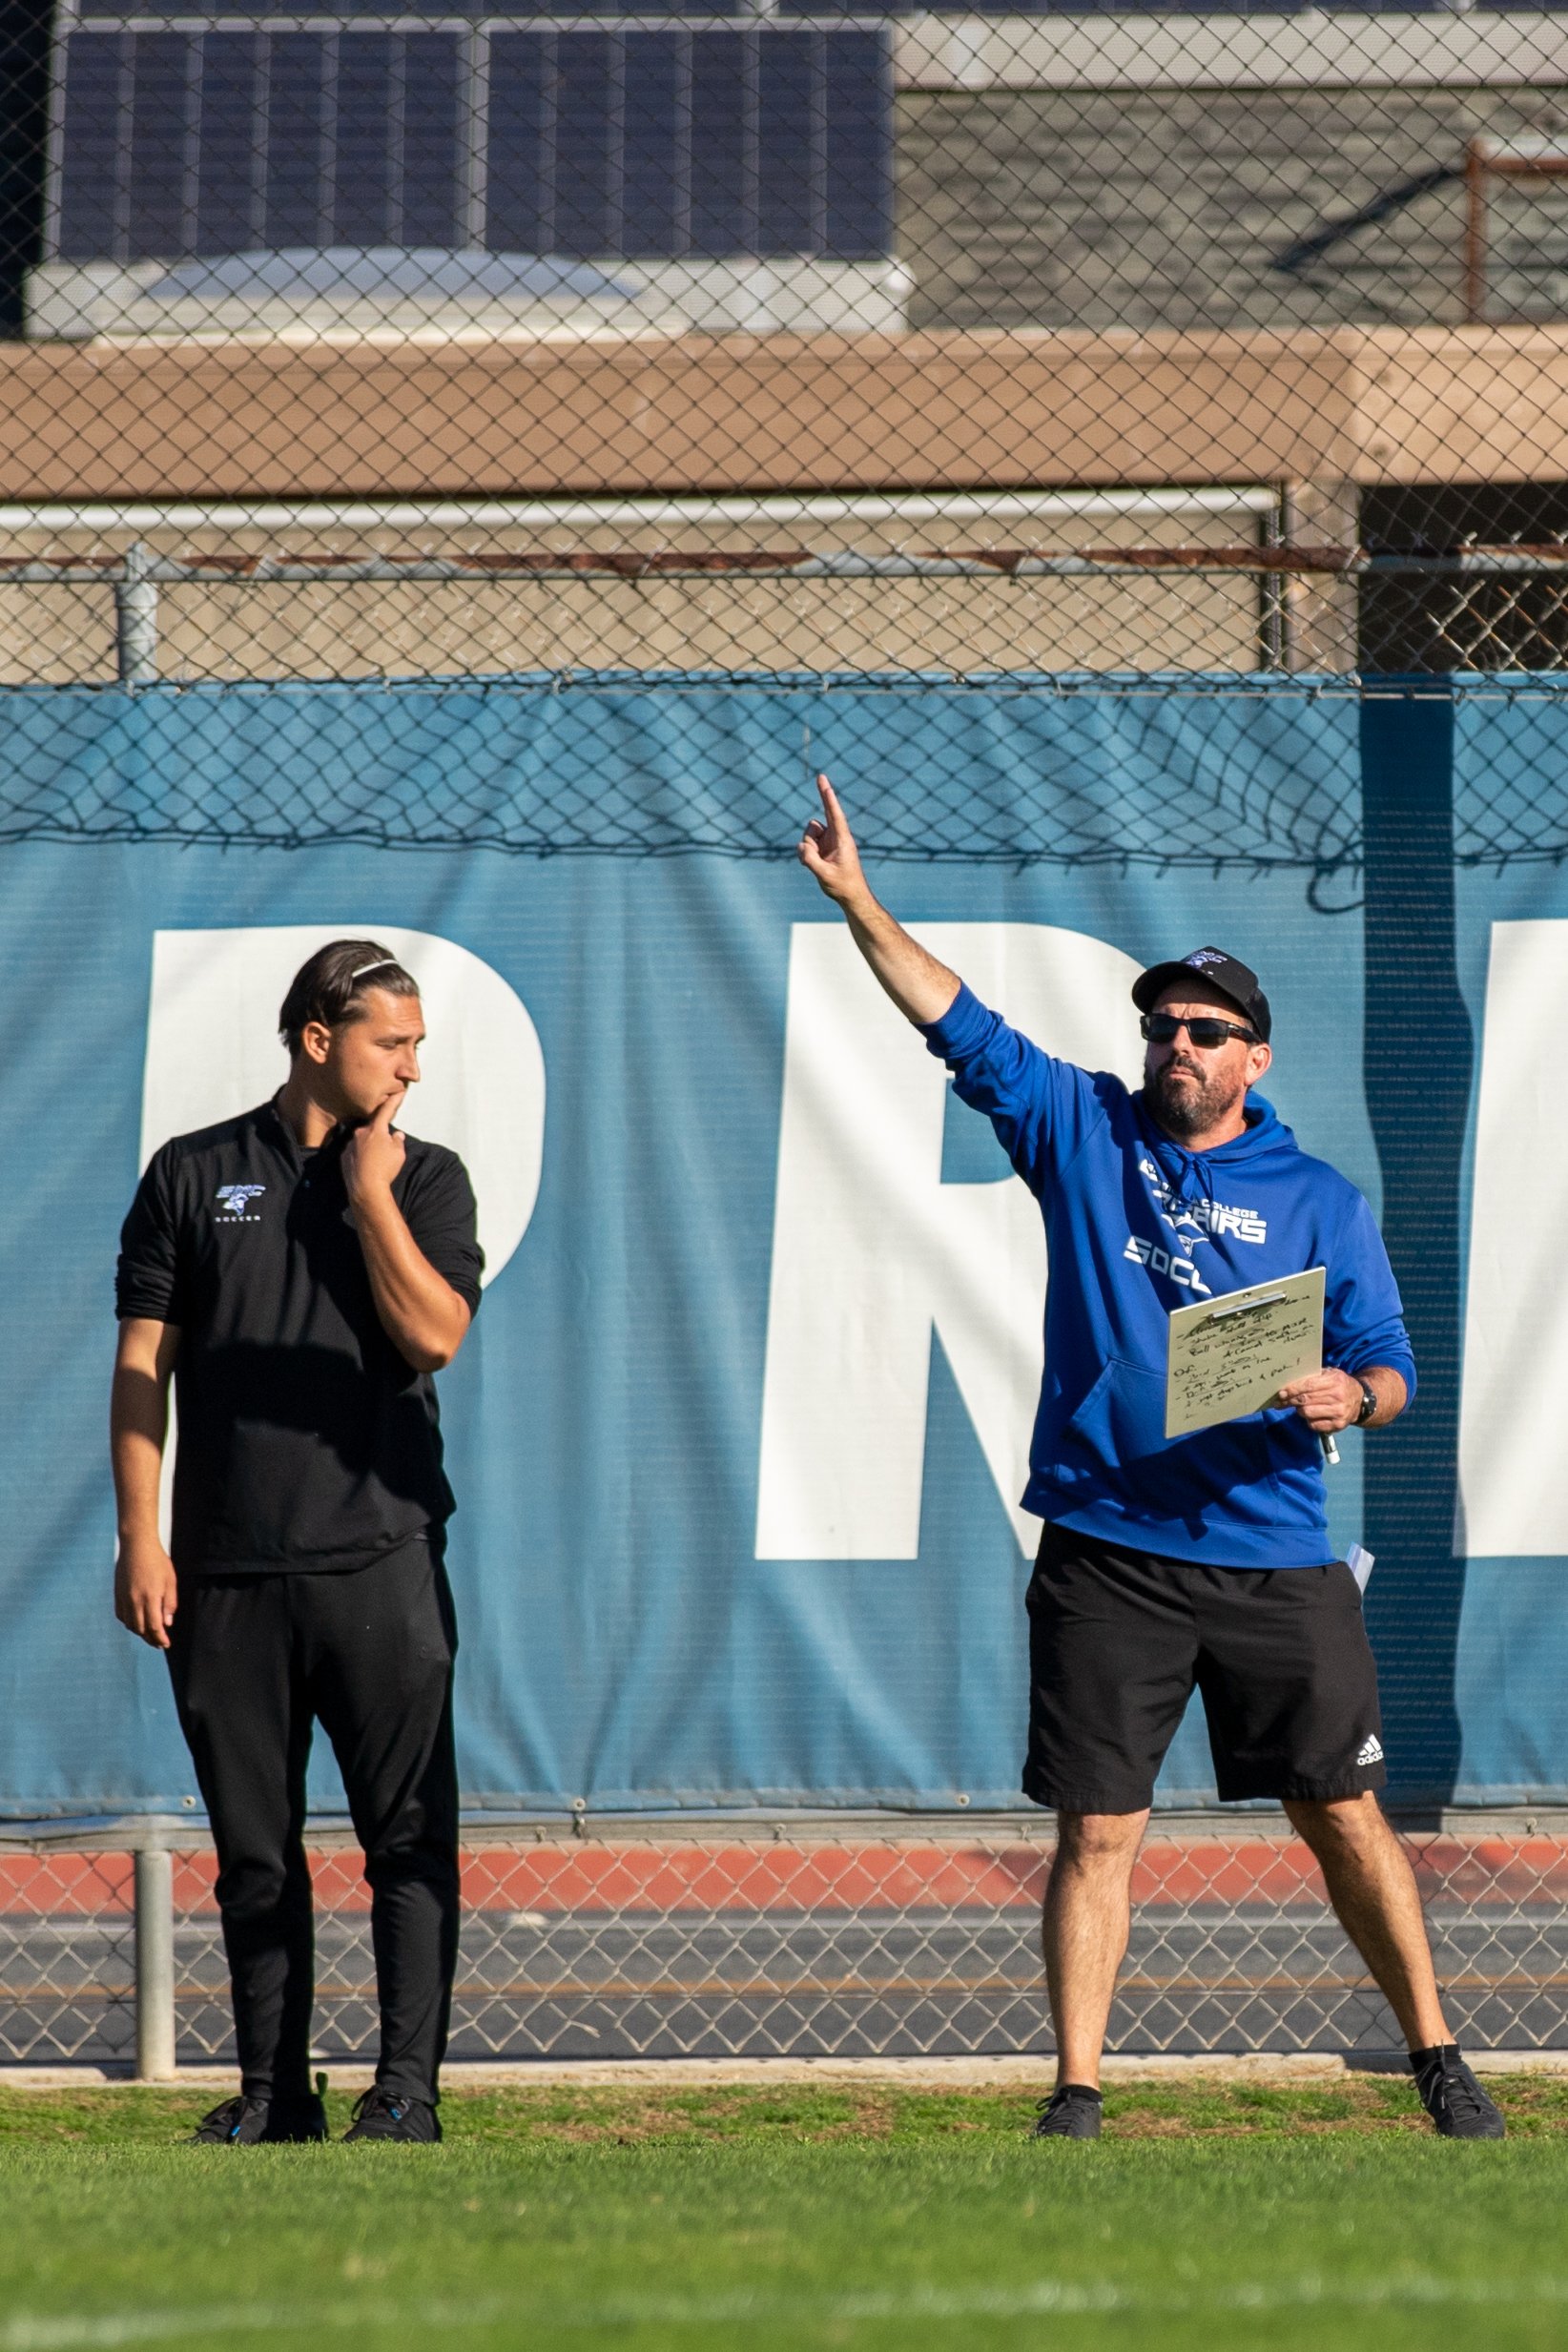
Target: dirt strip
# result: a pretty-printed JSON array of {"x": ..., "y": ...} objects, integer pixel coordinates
[{"x": 1002, "y": 2072}]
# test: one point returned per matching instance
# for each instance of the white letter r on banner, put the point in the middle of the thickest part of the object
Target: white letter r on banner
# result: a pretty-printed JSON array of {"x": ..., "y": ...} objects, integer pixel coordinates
[{"x": 871, "y": 1252}]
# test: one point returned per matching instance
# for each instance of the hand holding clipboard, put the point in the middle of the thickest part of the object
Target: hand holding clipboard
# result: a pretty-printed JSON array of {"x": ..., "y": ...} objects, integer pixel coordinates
[{"x": 1232, "y": 1355}]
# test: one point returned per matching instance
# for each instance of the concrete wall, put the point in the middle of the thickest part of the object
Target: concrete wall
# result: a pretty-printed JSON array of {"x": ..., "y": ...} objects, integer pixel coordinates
[
  {"x": 1161, "y": 208},
  {"x": 925, "y": 411}
]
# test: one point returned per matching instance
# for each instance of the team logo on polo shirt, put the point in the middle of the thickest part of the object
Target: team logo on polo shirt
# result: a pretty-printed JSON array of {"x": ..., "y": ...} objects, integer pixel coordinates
[{"x": 234, "y": 1204}]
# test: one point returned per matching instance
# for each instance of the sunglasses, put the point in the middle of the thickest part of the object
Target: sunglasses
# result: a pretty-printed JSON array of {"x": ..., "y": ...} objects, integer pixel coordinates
[{"x": 1164, "y": 1029}]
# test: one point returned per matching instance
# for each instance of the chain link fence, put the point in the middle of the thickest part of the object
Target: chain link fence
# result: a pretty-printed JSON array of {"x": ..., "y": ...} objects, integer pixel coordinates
[
  {"x": 759, "y": 336},
  {"x": 552, "y": 767},
  {"x": 871, "y": 592},
  {"x": 798, "y": 1939},
  {"x": 1028, "y": 352}
]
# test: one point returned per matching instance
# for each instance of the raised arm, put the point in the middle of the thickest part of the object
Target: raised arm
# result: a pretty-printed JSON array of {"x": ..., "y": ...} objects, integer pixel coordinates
[
  {"x": 920, "y": 986},
  {"x": 419, "y": 1309},
  {"x": 145, "y": 1589}
]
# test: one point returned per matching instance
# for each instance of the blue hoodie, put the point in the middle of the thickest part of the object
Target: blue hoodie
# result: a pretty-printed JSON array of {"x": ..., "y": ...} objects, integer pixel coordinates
[{"x": 1136, "y": 1226}]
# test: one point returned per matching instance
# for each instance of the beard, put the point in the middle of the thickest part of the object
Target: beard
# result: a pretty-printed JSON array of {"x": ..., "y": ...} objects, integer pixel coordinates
[{"x": 1194, "y": 1107}]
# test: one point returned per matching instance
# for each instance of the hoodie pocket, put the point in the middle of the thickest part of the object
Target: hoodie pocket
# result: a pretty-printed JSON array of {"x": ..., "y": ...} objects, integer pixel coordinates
[{"x": 1116, "y": 1442}]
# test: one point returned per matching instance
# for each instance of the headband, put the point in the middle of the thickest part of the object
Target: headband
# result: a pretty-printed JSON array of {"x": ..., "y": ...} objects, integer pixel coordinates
[{"x": 379, "y": 965}]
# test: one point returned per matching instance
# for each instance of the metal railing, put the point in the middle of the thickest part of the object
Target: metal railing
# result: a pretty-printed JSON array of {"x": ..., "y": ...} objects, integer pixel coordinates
[
  {"x": 788, "y": 1935},
  {"x": 1474, "y": 607}
]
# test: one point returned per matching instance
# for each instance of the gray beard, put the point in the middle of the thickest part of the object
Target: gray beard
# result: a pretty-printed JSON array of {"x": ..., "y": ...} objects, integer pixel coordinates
[{"x": 1191, "y": 1111}]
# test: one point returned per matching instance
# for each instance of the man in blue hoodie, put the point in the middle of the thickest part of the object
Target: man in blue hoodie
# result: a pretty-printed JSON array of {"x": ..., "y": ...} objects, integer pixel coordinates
[{"x": 1202, "y": 1560}]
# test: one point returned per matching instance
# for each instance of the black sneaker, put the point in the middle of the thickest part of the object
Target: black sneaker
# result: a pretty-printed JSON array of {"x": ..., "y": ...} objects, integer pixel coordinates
[
  {"x": 387, "y": 2115},
  {"x": 1453, "y": 2097},
  {"x": 244, "y": 2122},
  {"x": 1071, "y": 2112}
]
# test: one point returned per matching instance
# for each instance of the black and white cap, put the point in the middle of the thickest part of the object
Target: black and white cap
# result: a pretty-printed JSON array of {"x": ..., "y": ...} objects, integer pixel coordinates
[{"x": 1225, "y": 973}]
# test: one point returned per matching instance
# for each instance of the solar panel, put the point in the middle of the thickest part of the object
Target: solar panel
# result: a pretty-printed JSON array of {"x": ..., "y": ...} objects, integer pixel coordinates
[
  {"x": 585, "y": 159},
  {"x": 521, "y": 10},
  {"x": 162, "y": 125},
  {"x": 857, "y": 169},
  {"x": 212, "y": 141},
  {"x": 722, "y": 102},
  {"x": 656, "y": 145},
  {"x": 791, "y": 126},
  {"x": 430, "y": 178},
  {"x": 228, "y": 203},
  {"x": 96, "y": 94},
  {"x": 360, "y": 141},
  {"x": 138, "y": 11},
  {"x": 517, "y": 207},
  {"x": 289, "y": 134}
]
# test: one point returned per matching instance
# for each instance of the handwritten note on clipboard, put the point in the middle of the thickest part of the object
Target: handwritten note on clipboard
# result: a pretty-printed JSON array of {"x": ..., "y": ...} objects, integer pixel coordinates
[{"x": 1230, "y": 1355}]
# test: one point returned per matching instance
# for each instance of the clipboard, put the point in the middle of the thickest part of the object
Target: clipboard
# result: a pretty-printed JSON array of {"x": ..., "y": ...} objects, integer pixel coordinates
[{"x": 1229, "y": 1355}]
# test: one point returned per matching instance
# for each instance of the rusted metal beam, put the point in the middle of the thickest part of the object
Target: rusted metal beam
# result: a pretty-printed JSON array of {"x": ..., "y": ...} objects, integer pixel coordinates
[{"x": 138, "y": 566}]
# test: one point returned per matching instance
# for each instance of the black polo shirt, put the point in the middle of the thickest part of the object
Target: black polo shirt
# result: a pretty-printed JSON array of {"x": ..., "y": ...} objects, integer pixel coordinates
[{"x": 306, "y": 1440}]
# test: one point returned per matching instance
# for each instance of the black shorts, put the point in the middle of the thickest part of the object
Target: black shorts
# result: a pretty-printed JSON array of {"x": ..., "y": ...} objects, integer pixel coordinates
[{"x": 1117, "y": 1638}]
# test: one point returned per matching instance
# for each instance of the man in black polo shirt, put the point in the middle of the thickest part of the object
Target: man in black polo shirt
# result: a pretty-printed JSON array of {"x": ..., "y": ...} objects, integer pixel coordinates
[{"x": 301, "y": 1272}]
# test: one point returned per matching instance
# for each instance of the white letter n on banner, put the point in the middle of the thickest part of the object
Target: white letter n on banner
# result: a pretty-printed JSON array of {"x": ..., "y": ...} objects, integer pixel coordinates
[
  {"x": 1512, "y": 1463},
  {"x": 871, "y": 1252}
]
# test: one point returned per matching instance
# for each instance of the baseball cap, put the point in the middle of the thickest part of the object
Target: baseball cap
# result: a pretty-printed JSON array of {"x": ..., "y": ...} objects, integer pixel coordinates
[{"x": 1217, "y": 970}]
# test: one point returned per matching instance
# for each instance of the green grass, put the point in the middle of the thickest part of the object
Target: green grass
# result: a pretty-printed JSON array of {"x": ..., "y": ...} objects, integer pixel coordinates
[{"x": 1211, "y": 2217}]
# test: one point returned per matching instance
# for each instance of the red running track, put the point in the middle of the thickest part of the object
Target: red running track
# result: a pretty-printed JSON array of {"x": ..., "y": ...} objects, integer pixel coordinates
[{"x": 588, "y": 1876}]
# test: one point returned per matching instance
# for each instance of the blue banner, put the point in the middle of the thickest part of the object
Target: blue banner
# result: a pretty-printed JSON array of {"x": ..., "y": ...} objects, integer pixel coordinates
[{"x": 736, "y": 1438}]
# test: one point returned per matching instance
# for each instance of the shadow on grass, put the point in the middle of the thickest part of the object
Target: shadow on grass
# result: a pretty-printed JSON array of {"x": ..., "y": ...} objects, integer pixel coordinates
[{"x": 1355, "y": 2105}]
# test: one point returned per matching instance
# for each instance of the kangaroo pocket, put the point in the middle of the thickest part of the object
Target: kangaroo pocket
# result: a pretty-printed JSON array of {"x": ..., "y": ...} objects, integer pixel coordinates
[{"x": 1115, "y": 1444}]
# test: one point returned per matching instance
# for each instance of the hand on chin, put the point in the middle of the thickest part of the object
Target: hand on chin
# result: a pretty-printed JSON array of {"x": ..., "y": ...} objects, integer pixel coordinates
[{"x": 364, "y": 1112}]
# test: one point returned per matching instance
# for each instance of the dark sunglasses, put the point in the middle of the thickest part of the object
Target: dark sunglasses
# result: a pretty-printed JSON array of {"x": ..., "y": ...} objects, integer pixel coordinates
[{"x": 1164, "y": 1029}]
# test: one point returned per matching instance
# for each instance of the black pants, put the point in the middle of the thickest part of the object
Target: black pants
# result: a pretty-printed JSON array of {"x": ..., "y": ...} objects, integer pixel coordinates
[{"x": 253, "y": 1661}]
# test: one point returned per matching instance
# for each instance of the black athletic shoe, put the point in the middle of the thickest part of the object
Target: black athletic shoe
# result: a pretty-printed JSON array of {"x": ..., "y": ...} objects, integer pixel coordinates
[
  {"x": 1453, "y": 2097},
  {"x": 1072, "y": 2112},
  {"x": 387, "y": 2115},
  {"x": 243, "y": 2123}
]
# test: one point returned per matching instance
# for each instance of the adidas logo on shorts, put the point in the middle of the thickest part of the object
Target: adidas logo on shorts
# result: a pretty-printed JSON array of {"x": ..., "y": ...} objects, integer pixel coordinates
[{"x": 1371, "y": 1750}]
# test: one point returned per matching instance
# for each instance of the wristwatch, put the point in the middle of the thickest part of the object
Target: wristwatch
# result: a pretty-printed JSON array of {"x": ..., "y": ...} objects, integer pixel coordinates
[{"x": 1369, "y": 1405}]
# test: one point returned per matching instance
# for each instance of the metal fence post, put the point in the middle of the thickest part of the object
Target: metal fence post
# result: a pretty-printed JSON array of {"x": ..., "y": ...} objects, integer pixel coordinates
[
  {"x": 154, "y": 1965},
  {"x": 136, "y": 620}
]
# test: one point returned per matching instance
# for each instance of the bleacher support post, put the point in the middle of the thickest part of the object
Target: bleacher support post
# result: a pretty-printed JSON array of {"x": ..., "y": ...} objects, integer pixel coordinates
[
  {"x": 154, "y": 1965},
  {"x": 136, "y": 620}
]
